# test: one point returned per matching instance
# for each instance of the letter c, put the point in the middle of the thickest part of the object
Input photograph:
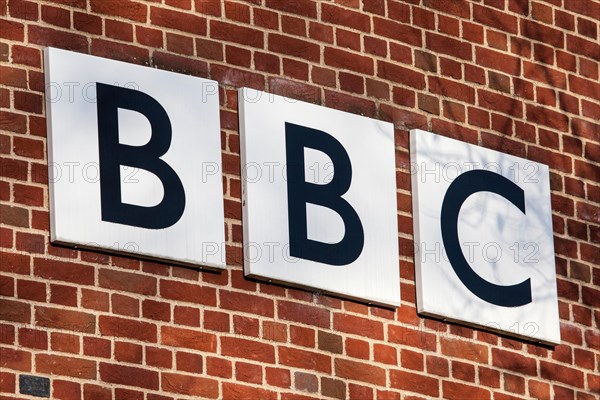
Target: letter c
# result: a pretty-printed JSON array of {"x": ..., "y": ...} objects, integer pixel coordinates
[{"x": 460, "y": 189}]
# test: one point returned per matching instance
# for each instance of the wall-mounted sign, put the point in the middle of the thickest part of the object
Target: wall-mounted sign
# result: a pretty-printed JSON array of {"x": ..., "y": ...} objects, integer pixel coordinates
[
  {"x": 319, "y": 196},
  {"x": 483, "y": 237},
  {"x": 134, "y": 159}
]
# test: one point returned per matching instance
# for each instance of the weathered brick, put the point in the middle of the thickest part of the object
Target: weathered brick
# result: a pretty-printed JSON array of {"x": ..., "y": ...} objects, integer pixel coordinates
[
  {"x": 238, "y": 34},
  {"x": 294, "y": 47},
  {"x": 306, "y": 314},
  {"x": 127, "y": 328},
  {"x": 65, "y": 366},
  {"x": 180, "y": 21},
  {"x": 64, "y": 271},
  {"x": 248, "y": 349},
  {"x": 65, "y": 319},
  {"x": 128, "y": 376},
  {"x": 189, "y": 385},
  {"x": 414, "y": 383},
  {"x": 304, "y": 359}
]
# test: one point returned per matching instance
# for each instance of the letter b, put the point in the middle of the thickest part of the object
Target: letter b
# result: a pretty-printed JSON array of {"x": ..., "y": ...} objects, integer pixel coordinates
[
  {"x": 300, "y": 192},
  {"x": 114, "y": 154}
]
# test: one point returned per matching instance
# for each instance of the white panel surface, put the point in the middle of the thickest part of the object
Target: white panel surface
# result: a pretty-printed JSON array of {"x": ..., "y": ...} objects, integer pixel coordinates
[
  {"x": 373, "y": 276},
  {"x": 192, "y": 106},
  {"x": 501, "y": 244}
]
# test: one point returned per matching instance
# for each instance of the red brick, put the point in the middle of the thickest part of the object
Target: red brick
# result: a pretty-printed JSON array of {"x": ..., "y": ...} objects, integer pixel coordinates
[
  {"x": 236, "y": 77},
  {"x": 359, "y": 326},
  {"x": 307, "y": 8},
  {"x": 583, "y": 87},
  {"x": 158, "y": 357},
  {"x": 294, "y": 47},
  {"x": 65, "y": 319},
  {"x": 238, "y": 34},
  {"x": 120, "y": 51},
  {"x": 360, "y": 372},
  {"x": 351, "y": 61},
  {"x": 304, "y": 359},
  {"x": 128, "y": 376},
  {"x": 12, "y": 122},
  {"x": 189, "y": 385},
  {"x": 348, "y": 103},
  {"x": 451, "y": 89},
  {"x": 31, "y": 290},
  {"x": 50, "y": 37},
  {"x": 28, "y": 102},
  {"x": 250, "y": 373},
  {"x": 266, "y": 19},
  {"x": 566, "y": 375},
  {"x": 7, "y": 382},
  {"x": 94, "y": 392},
  {"x": 188, "y": 292},
  {"x": 587, "y": 48},
  {"x": 385, "y": 354},
  {"x": 64, "y": 271},
  {"x": 178, "y": 20},
  {"x": 125, "y": 9},
  {"x": 218, "y": 367},
  {"x": 547, "y": 117},
  {"x": 96, "y": 347},
  {"x": 305, "y": 314},
  {"x": 128, "y": 352},
  {"x": 514, "y": 362},
  {"x": 459, "y": 9},
  {"x": 542, "y": 33},
  {"x": 448, "y": 45},
  {"x": 12, "y": 30},
  {"x": 498, "y": 61},
  {"x": 237, "y": 301},
  {"x": 191, "y": 339},
  {"x": 65, "y": 366},
  {"x": 293, "y": 25},
  {"x": 127, "y": 328},
  {"x": 238, "y": 12},
  {"x": 454, "y": 390},
  {"x": 128, "y": 282},
  {"x": 189, "y": 362},
  {"x": 14, "y": 263},
  {"x": 414, "y": 383},
  {"x": 395, "y": 73},
  {"x": 15, "y": 359},
  {"x": 344, "y": 17},
  {"x": 216, "y": 321},
  {"x": 248, "y": 349},
  {"x": 237, "y": 391},
  {"x": 7, "y": 286},
  {"x": 88, "y": 23},
  {"x": 66, "y": 389},
  {"x": 33, "y": 338},
  {"x": 505, "y": 104},
  {"x": 496, "y": 19},
  {"x": 464, "y": 349},
  {"x": 14, "y": 77},
  {"x": 245, "y": 326},
  {"x": 396, "y": 31},
  {"x": 160, "y": 311}
]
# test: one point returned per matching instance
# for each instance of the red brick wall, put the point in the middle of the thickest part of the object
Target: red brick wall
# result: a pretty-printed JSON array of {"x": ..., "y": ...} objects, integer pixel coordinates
[{"x": 518, "y": 76}]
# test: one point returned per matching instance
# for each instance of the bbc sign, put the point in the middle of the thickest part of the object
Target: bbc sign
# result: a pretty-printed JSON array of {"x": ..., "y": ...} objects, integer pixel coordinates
[{"x": 135, "y": 167}]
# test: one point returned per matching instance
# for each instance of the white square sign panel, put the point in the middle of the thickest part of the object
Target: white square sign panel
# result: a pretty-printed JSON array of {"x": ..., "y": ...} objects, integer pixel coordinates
[
  {"x": 134, "y": 159},
  {"x": 483, "y": 238},
  {"x": 319, "y": 198}
]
